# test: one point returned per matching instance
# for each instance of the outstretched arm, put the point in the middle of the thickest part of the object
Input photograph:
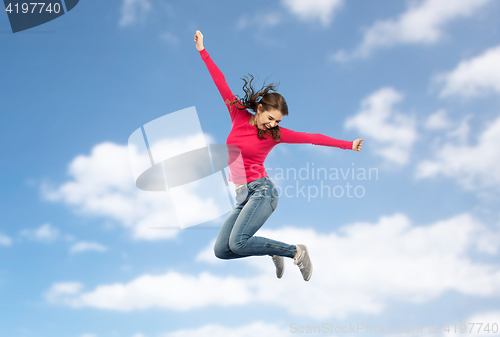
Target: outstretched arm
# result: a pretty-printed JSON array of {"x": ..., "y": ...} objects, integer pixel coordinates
[
  {"x": 293, "y": 137},
  {"x": 216, "y": 74}
]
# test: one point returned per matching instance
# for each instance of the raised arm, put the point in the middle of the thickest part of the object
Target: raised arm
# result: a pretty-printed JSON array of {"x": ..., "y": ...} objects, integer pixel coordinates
[
  {"x": 217, "y": 76},
  {"x": 293, "y": 137}
]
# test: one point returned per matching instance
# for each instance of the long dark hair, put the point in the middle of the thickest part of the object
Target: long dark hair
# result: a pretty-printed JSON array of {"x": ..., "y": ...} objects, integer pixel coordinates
[{"x": 269, "y": 101}]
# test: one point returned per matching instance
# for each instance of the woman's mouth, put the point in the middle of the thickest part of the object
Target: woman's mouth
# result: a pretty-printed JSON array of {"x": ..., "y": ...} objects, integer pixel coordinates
[{"x": 266, "y": 126}]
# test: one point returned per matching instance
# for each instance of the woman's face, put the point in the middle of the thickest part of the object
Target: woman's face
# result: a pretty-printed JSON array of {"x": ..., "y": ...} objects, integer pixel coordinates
[{"x": 267, "y": 119}]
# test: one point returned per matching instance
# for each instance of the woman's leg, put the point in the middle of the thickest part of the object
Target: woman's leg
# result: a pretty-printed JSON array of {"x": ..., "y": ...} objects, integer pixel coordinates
[
  {"x": 258, "y": 208},
  {"x": 221, "y": 247}
]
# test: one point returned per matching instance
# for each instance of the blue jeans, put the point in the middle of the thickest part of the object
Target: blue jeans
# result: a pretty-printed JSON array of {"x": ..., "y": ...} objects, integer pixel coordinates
[{"x": 256, "y": 201}]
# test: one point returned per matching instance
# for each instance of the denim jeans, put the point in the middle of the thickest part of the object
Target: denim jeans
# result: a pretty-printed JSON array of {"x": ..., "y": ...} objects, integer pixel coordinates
[{"x": 256, "y": 201}]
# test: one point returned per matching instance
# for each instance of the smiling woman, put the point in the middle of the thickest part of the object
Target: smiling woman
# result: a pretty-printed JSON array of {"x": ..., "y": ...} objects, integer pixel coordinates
[{"x": 256, "y": 195}]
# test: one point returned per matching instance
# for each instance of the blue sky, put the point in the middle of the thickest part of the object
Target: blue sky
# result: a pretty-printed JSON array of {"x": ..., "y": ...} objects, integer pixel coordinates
[{"x": 419, "y": 81}]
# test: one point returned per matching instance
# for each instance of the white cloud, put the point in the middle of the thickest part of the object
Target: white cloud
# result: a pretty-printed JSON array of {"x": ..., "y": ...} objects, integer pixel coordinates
[
  {"x": 260, "y": 329},
  {"x": 5, "y": 240},
  {"x": 461, "y": 132},
  {"x": 422, "y": 23},
  {"x": 403, "y": 262},
  {"x": 45, "y": 233},
  {"x": 438, "y": 120},
  {"x": 311, "y": 10},
  {"x": 102, "y": 184},
  {"x": 475, "y": 77},
  {"x": 448, "y": 130},
  {"x": 385, "y": 131},
  {"x": 184, "y": 292},
  {"x": 260, "y": 22},
  {"x": 58, "y": 290},
  {"x": 133, "y": 10},
  {"x": 84, "y": 246},
  {"x": 474, "y": 167}
]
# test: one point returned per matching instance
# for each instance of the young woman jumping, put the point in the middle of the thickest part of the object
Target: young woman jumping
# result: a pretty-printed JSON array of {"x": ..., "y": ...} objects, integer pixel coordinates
[{"x": 256, "y": 195}]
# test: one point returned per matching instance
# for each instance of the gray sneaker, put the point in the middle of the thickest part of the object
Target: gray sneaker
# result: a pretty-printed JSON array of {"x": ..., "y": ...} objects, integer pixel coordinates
[
  {"x": 279, "y": 262},
  {"x": 304, "y": 263}
]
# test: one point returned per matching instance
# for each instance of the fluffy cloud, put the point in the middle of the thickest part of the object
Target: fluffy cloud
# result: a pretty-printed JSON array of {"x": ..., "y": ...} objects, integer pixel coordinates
[
  {"x": 58, "y": 290},
  {"x": 184, "y": 292},
  {"x": 390, "y": 133},
  {"x": 475, "y": 77},
  {"x": 358, "y": 269},
  {"x": 446, "y": 129},
  {"x": 422, "y": 23},
  {"x": 84, "y": 246},
  {"x": 474, "y": 167},
  {"x": 102, "y": 184},
  {"x": 133, "y": 10},
  {"x": 45, "y": 233},
  {"x": 311, "y": 10},
  {"x": 5, "y": 240},
  {"x": 438, "y": 120},
  {"x": 322, "y": 10}
]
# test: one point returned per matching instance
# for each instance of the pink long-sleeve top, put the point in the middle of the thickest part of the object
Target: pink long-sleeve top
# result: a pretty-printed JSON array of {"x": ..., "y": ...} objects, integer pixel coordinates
[{"x": 247, "y": 152}]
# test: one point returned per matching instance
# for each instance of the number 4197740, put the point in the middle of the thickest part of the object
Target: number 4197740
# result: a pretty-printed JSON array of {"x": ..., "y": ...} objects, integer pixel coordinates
[
  {"x": 463, "y": 328},
  {"x": 56, "y": 8}
]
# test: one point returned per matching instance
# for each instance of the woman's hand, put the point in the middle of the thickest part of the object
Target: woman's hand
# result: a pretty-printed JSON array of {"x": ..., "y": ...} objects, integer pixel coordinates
[
  {"x": 356, "y": 145},
  {"x": 198, "y": 38}
]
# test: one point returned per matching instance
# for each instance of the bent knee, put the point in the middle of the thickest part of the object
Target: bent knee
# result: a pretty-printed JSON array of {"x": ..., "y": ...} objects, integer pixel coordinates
[
  {"x": 237, "y": 247},
  {"x": 221, "y": 253}
]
